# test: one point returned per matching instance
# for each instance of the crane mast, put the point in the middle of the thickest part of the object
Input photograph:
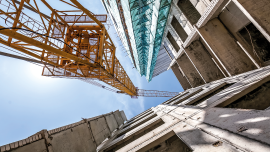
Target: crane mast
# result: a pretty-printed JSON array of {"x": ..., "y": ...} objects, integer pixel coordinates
[{"x": 70, "y": 43}]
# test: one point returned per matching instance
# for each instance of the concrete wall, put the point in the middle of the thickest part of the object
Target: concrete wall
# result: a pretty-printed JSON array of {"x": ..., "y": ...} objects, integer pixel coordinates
[
  {"x": 189, "y": 70},
  {"x": 225, "y": 47},
  {"x": 118, "y": 117},
  {"x": 111, "y": 122},
  {"x": 38, "y": 146},
  {"x": 83, "y": 136},
  {"x": 182, "y": 79},
  {"x": 100, "y": 129},
  {"x": 123, "y": 115},
  {"x": 202, "y": 60},
  {"x": 204, "y": 127},
  {"x": 78, "y": 138}
]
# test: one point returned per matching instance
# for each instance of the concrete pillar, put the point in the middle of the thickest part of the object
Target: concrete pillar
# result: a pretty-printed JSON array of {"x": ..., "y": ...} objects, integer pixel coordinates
[
  {"x": 225, "y": 47},
  {"x": 189, "y": 11},
  {"x": 182, "y": 79},
  {"x": 190, "y": 71},
  {"x": 214, "y": 58},
  {"x": 257, "y": 11},
  {"x": 203, "y": 61}
]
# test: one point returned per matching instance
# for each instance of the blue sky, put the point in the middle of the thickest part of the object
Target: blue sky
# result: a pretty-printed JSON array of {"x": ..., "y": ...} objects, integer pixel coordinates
[{"x": 30, "y": 102}]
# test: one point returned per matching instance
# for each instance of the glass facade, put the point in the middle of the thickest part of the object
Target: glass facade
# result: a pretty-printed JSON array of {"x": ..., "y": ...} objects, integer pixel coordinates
[{"x": 145, "y": 21}]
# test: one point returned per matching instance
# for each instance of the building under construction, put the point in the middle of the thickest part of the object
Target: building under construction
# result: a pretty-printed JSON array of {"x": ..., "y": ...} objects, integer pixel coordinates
[
  {"x": 220, "y": 55},
  {"x": 200, "y": 40},
  {"x": 231, "y": 115}
]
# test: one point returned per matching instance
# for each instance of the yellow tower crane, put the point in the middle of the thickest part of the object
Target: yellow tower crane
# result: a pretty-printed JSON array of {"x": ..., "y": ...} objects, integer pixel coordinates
[{"x": 69, "y": 43}]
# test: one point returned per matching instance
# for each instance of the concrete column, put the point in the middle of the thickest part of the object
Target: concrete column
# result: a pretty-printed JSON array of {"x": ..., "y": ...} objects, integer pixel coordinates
[
  {"x": 182, "y": 79},
  {"x": 225, "y": 47},
  {"x": 190, "y": 72},
  {"x": 257, "y": 11},
  {"x": 203, "y": 62}
]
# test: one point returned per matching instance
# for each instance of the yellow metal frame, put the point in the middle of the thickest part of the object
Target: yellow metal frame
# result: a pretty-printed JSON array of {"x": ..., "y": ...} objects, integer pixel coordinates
[{"x": 75, "y": 50}]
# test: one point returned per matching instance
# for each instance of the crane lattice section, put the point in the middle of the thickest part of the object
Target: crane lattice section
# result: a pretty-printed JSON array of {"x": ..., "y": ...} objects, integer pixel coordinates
[{"x": 70, "y": 43}]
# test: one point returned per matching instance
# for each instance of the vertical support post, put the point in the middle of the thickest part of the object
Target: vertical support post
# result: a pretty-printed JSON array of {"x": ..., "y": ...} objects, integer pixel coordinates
[
  {"x": 195, "y": 27},
  {"x": 48, "y": 33},
  {"x": 167, "y": 52},
  {"x": 101, "y": 46},
  {"x": 17, "y": 18},
  {"x": 184, "y": 74},
  {"x": 250, "y": 57},
  {"x": 113, "y": 60},
  {"x": 219, "y": 67},
  {"x": 47, "y": 138},
  {"x": 193, "y": 64}
]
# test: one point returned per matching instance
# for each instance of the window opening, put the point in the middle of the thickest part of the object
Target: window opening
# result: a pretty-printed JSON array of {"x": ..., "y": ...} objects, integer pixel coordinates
[
  {"x": 132, "y": 127},
  {"x": 169, "y": 143},
  {"x": 135, "y": 136},
  {"x": 173, "y": 42},
  {"x": 139, "y": 118},
  {"x": 211, "y": 94},
  {"x": 190, "y": 95},
  {"x": 257, "y": 99},
  {"x": 178, "y": 97},
  {"x": 189, "y": 11},
  {"x": 257, "y": 41},
  {"x": 179, "y": 29}
]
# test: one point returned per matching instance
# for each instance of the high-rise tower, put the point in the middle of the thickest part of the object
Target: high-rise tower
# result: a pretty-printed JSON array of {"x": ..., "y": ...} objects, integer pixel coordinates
[{"x": 140, "y": 24}]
